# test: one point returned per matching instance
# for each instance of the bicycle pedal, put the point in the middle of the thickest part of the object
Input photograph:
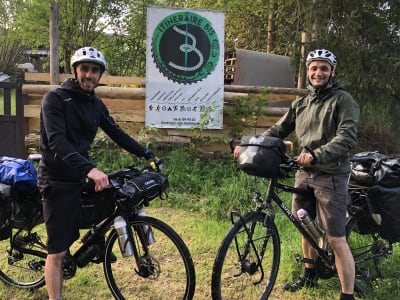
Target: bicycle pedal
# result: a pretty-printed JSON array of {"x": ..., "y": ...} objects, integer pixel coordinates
[
  {"x": 298, "y": 258},
  {"x": 364, "y": 273}
]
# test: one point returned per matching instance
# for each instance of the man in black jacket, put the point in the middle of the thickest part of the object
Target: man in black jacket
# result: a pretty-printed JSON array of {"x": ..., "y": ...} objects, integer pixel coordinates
[{"x": 69, "y": 119}]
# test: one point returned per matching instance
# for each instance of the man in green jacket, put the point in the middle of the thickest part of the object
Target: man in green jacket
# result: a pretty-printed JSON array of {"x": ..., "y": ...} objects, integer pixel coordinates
[{"x": 326, "y": 121}]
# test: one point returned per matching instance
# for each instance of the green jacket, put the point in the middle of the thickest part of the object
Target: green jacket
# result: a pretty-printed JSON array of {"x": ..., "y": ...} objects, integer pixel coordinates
[{"x": 326, "y": 122}]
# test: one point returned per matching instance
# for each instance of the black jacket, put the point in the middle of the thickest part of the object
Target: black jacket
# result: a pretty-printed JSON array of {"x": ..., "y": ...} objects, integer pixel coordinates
[{"x": 69, "y": 120}]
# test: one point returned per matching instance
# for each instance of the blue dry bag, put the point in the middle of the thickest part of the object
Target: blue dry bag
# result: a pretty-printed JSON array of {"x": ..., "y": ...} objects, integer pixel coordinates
[{"x": 19, "y": 173}]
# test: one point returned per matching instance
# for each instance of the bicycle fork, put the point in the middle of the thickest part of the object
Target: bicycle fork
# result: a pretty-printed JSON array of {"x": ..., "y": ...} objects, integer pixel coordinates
[
  {"x": 246, "y": 265},
  {"x": 148, "y": 266}
]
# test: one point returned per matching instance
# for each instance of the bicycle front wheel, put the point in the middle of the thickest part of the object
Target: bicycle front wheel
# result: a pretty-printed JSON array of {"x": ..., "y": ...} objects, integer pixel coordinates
[
  {"x": 169, "y": 270},
  {"x": 22, "y": 264},
  {"x": 247, "y": 262}
]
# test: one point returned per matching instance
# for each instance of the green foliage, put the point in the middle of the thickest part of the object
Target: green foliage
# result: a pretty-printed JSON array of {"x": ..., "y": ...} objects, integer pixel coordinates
[
  {"x": 246, "y": 111},
  {"x": 364, "y": 34},
  {"x": 10, "y": 44}
]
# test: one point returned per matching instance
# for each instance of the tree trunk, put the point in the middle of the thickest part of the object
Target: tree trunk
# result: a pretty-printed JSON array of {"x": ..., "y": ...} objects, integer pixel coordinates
[
  {"x": 271, "y": 27},
  {"x": 54, "y": 37}
]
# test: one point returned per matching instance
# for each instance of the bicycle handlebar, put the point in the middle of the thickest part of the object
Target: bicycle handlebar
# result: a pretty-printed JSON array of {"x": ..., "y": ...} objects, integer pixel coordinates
[
  {"x": 361, "y": 159},
  {"x": 154, "y": 165}
]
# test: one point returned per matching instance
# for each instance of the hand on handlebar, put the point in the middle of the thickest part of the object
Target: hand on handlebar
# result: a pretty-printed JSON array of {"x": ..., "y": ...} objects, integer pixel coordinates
[
  {"x": 236, "y": 152},
  {"x": 154, "y": 162},
  {"x": 99, "y": 178},
  {"x": 304, "y": 159}
]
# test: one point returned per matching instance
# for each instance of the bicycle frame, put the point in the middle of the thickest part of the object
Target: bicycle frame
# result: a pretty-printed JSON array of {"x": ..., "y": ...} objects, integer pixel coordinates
[
  {"x": 271, "y": 194},
  {"x": 266, "y": 204}
]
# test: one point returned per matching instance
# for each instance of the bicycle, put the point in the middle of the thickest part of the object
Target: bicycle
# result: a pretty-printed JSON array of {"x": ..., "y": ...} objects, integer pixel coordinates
[
  {"x": 151, "y": 263},
  {"x": 247, "y": 262}
]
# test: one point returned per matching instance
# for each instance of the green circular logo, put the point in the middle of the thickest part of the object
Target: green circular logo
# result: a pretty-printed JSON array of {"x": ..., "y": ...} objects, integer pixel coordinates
[{"x": 185, "y": 47}]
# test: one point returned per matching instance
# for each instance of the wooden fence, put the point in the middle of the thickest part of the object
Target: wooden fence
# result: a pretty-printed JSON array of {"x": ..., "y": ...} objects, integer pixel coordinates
[{"x": 125, "y": 98}]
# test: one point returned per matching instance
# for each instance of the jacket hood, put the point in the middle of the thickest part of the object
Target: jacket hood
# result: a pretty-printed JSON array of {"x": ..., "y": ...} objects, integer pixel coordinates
[
  {"x": 330, "y": 86},
  {"x": 71, "y": 85}
]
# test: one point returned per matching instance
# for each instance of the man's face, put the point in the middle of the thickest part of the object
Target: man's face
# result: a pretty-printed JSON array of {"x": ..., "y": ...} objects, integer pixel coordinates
[
  {"x": 88, "y": 76},
  {"x": 318, "y": 73}
]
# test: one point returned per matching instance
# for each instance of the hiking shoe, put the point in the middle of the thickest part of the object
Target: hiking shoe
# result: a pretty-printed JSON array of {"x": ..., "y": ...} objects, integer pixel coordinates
[{"x": 300, "y": 283}]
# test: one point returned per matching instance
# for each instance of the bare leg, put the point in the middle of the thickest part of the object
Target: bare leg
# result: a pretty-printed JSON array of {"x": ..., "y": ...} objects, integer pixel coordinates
[
  {"x": 308, "y": 252},
  {"x": 53, "y": 274},
  {"x": 344, "y": 263}
]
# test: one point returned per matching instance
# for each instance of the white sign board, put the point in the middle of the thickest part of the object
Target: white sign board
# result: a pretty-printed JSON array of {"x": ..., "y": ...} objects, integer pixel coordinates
[{"x": 184, "y": 68}]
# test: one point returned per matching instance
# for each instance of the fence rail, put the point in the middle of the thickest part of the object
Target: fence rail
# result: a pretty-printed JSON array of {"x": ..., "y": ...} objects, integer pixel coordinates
[{"x": 127, "y": 106}]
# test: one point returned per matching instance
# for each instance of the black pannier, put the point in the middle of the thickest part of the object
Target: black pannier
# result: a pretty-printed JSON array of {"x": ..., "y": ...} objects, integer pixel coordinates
[
  {"x": 367, "y": 224},
  {"x": 261, "y": 155},
  {"x": 387, "y": 172},
  {"x": 377, "y": 169},
  {"x": 363, "y": 172},
  {"x": 385, "y": 202},
  {"x": 143, "y": 188},
  {"x": 5, "y": 211},
  {"x": 27, "y": 209}
]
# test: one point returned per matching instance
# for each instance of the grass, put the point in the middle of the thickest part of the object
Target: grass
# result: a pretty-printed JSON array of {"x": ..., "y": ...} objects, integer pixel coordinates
[
  {"x": 202, "y": 192},
  {"x": 203, "y": 235},
  {"x": 12, "y": 102}
]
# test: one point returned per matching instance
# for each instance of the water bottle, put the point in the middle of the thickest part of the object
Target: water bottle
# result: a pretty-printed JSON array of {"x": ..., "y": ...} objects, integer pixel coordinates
[
  {"x": 309, "y": 224},
  {"x": 86, "y": 254},
  {"x": 87, "y": 236},
  {"x": 124, "y": 241},
  {"x": 88, "y": 251},
  {"x": 148, "y": 231}
]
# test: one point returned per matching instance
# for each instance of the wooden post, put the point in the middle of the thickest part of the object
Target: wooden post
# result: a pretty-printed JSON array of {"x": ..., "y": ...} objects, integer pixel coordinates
[
  {"x": 305, "y": 39},
  {"x": 54, "y": 37}
]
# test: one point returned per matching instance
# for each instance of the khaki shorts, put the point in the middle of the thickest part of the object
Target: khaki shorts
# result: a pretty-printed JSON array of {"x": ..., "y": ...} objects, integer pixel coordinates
[{"x": 328, "y": 206}]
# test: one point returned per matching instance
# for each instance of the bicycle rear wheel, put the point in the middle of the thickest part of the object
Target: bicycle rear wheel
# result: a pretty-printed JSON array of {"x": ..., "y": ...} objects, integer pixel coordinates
[
  {"x": 23, "y": 266},
  {"x": 247, "y": 262},
  {"x": 169, "y": 273}
]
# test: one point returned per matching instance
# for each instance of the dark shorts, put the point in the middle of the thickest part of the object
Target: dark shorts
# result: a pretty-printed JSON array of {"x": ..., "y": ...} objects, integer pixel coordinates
[
  {"x": 328, "y": 206},
  {"x": 61, "y": 209}
]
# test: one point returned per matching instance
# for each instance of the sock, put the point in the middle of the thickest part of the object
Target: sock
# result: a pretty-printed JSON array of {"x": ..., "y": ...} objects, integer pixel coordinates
[{"x": 346, "y": 296}]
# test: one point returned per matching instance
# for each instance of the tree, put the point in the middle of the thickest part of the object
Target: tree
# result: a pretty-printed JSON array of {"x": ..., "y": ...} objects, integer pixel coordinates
[{"x": 364, "y": 34}]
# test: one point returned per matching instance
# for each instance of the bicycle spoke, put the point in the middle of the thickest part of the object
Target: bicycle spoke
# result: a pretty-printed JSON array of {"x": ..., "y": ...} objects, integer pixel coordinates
[{"x": 247, "y": 262}]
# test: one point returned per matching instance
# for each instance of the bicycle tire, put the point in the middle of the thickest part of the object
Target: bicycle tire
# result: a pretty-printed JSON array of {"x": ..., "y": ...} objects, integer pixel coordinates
[
  {"x": 24, "y": 269},
  {"x": 231, "y": 276},
  {"x": 174, "y": 272}
]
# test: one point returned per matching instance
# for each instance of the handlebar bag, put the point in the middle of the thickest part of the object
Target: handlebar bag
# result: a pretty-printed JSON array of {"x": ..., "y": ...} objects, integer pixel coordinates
[
  {"x": 261, "y": 155},
  {"x": 18, "y": 172},
  {"x": 144, "y": 187}
]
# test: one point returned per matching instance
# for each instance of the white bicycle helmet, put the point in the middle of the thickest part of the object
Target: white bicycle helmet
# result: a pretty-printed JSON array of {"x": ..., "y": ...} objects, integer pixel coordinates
[
  {"x": 322, "y": 54},
  {"x": 88, "y": 54}
]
